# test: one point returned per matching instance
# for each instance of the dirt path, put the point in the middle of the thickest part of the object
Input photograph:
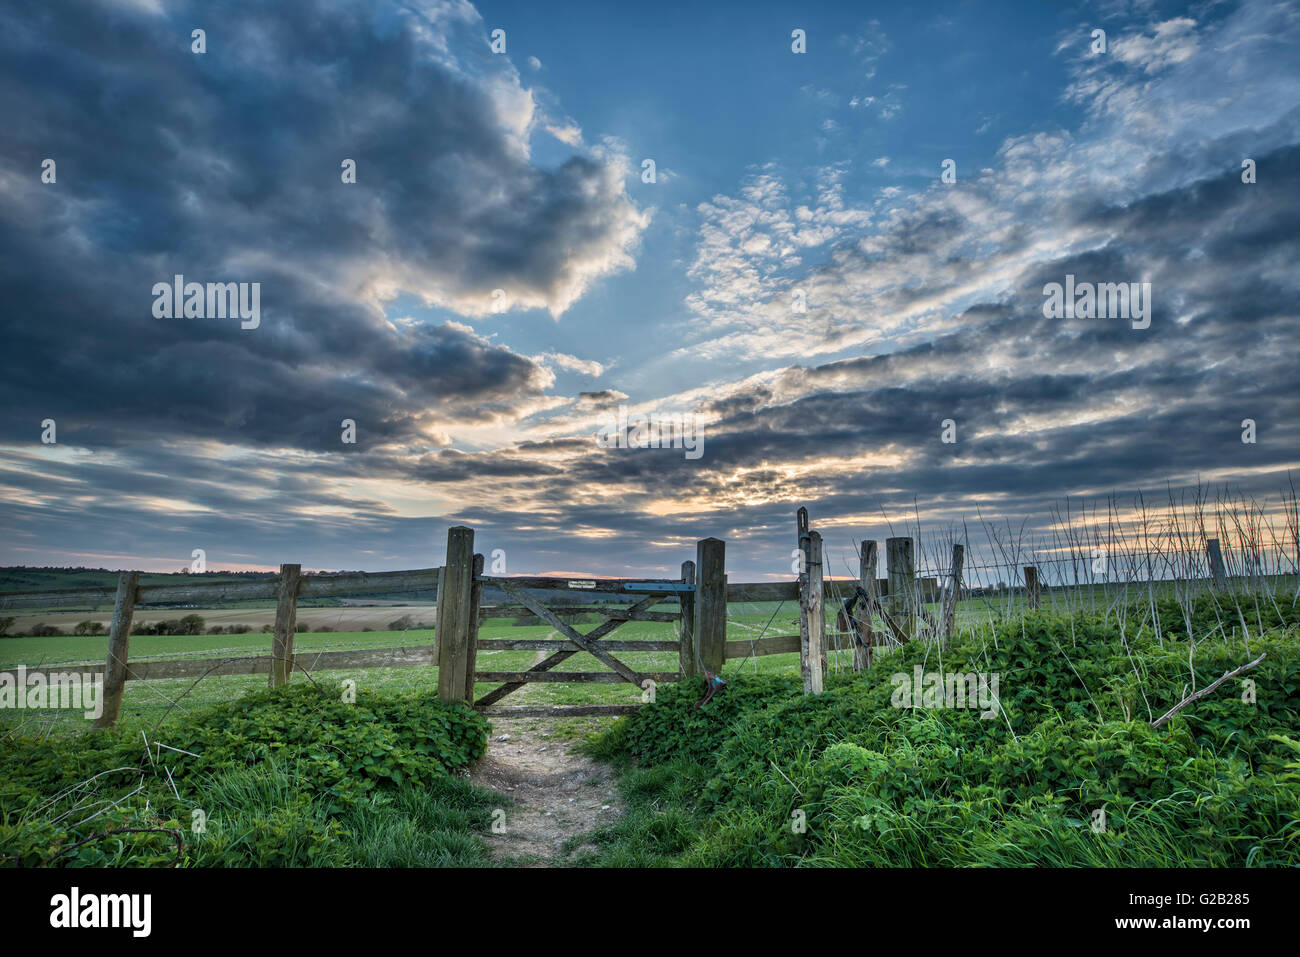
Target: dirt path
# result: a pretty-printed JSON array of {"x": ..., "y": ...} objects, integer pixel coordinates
[{"x": 557, "y": 794}]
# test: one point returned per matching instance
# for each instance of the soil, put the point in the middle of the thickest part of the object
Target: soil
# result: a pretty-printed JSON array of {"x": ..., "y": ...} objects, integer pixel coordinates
[{"x": 556, "y": 795}]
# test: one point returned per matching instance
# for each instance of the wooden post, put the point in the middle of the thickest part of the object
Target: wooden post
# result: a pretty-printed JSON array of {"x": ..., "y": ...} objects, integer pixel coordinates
[
  {"x": 867, "y": 561},
  {"x": 898, "y": 556},
  {"x": 286, "y": 623},
  {"x": 954, "y": 592},
  {"x": 812, "y": 624},
  {"x": 686, "y": 631},
  {"x": 1216, "y": 564},
  {"x": 119, "y": 638},
  {"x": 475, "y": 596},
  {"x": 1031, "y": 586},
  {"x": 437, "y": 597},
  {"x": 710, "y": 635},
  {"x": 453, "y": 621}
]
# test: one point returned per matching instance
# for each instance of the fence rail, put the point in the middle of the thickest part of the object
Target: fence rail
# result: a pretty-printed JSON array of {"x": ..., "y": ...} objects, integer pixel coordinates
[{"x": 869, "y": 612}]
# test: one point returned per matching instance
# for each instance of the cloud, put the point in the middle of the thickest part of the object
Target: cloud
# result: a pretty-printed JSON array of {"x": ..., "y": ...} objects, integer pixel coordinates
[
  {"x": 921, "y": 307},
  {"x": 589, "y": 401},
  {"x": 226, "y": 166},
  {"x": 570, "y": 363}
]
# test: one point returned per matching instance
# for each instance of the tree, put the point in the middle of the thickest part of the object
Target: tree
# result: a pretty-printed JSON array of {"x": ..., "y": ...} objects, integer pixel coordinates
[{"x": 5, "y": 625}]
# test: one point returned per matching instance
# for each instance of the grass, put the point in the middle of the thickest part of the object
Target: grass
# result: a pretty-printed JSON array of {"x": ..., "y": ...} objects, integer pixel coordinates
[{"x": 1072, "y": 774}]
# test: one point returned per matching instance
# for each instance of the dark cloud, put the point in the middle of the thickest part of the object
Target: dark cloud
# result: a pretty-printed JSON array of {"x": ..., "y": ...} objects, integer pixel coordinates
[{"x": 225, "y": 167}]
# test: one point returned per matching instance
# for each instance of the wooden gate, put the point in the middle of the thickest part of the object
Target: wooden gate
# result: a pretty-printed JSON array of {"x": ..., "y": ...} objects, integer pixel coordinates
[
  {"x": 643, "y": 595},
  {"x": 460, "y": 612}
]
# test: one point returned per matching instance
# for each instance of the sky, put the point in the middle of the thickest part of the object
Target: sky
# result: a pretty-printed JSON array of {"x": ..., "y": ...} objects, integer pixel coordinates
[{"x": 799, "y": 280}]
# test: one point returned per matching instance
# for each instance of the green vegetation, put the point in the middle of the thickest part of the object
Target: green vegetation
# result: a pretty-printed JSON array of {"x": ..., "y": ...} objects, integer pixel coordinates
[
  {"x": 297, "y": 776},
  {"x": 881, "y": 786}
]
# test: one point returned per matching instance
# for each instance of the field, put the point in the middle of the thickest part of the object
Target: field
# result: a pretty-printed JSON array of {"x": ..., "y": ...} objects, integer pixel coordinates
[{"x": 763, "y": 776}]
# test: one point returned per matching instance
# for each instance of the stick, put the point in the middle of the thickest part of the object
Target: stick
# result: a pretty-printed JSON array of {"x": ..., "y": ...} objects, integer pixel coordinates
[{"x": 1204, "y": 691}]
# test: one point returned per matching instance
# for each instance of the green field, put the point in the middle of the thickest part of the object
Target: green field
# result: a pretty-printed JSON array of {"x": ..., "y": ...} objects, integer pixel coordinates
[{"x": 145, "y": 701}]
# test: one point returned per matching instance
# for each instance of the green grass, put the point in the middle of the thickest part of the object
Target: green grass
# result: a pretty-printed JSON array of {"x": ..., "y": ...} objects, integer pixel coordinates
[
  {"x": 280, "y": 778},
  {"x": 879, "y": 786}
]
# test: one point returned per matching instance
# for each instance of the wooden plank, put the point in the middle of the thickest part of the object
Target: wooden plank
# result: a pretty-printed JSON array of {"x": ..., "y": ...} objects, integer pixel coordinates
[
  {"x": 861, "y": 625},
  {"x": 600, "y": 631},
  {"x": 286, "y": 622},
  {"x": 578, "y": 639},
  {"x": 551, "y": 644},
  {"x": 453, "y": 620},
  {"x": 902, "y": 583},
  {"x": 618, "y": 614},
  {"x": 601, "y": 585},
  {"x": 210, "y": 593},
  {"x": 1032, "y": 587},
  {"x": 775, "y": 645},
  {"x": 710, "y": 632},
  {"x": 411, "y": 656},
  {"x": 370, "y": 583},
  {"x": 119, "y": 638},
  {"x": 686, "y": 630},
  {"x": 954, "y": 592},
  {"x": 1218, "y": 573},
  {"x": 557, "y": 677},
  {"x": 763, "y": 591},
  {"x": 475, "y": 596},
  {"x": 206, "y": 593},
  {"x": 812, "y": 632},
  {"x": 558, "y": 710}
]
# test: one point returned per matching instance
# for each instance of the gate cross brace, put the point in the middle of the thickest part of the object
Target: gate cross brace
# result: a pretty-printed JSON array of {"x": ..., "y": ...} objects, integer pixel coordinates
[{"x": 584, "y": 642}]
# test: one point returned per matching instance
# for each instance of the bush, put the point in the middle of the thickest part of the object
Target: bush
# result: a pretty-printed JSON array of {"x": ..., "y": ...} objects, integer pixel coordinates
[
  {"x": 43, "y": 630},
  {"x": 291, "y": 776}
]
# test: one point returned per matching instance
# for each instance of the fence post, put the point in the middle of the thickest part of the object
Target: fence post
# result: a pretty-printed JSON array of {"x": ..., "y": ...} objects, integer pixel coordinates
[
  {"x": 804, "y": 540},
  {"x": 286, "y": 623},
  {"x": 954, "y": 592},
  {"x": 471, "y": 657},
  {"x": 867, "y": 561},
  {"x": 686, "y": 631},
  {"x": 119, "y": 637},
  {"x": 812, "y": 619},
  {"x": 1216, "y": 564},
  {"x": 453, "y": 620},
  {"x": 1031, "y": 586},
  {"x": 710, "y": 635},
  {"x": 898, "y": 557}
]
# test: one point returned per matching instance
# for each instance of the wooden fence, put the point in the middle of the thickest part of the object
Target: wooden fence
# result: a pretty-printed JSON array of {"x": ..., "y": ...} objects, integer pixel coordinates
[{"x": 701, "y": 596}]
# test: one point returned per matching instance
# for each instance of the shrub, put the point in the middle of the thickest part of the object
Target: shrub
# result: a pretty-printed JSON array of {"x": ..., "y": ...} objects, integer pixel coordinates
[{"x": 287, "y": 777}]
